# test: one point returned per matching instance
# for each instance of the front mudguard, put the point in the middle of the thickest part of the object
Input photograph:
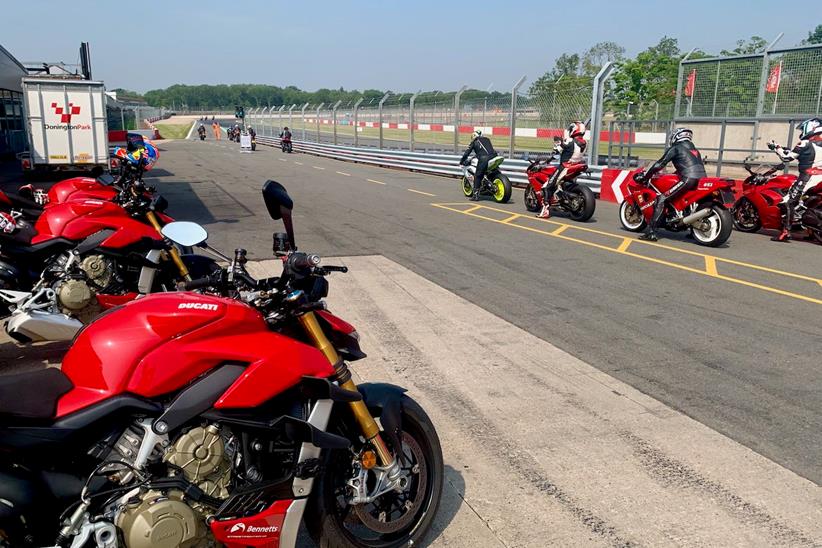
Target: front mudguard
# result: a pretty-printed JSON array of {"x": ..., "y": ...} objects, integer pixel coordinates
[{"x": 388, "y": 399}]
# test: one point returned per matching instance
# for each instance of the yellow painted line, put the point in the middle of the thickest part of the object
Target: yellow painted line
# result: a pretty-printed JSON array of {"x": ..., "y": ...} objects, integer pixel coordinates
[
  {"x": 470, "y": 213},
  {"x": 375, "y": 181},
  {"x": 625, "y": 243},
  {"x": 710, "y": 266},
  {"x": 678, "y": 249},
  {"x": 298, "y": 163},
  {"x": 469, "y": 210},
  {"x": 420, "y": 192},
  {"x": 559, "y": 230},
  {"x": 511, "y": 218},
  {"x": 343, "y": 173}
]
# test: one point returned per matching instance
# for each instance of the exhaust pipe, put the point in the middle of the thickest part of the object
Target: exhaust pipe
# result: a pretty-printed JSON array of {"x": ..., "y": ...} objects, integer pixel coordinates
[
  {"x": 697, "y": 216},
  {"x": 37, "y": 326}
]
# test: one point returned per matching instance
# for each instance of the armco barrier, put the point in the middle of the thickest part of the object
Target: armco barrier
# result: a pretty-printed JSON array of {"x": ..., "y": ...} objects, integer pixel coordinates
[{"x": 437, "y": 164}]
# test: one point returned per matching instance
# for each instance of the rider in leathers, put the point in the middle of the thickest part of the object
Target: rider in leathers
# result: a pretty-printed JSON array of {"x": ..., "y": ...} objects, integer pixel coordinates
[
  {"x": 689, "y": 167},
  {"x": 808, "y": 152},
  {"x": 571, "y": 149},
  {"x": 484, "y": 150}
]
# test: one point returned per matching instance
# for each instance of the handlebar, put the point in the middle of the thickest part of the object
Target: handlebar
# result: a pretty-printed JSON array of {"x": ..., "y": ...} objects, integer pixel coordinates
[
  {"x": 299, "y": 262},
  {"x": 199, "y": 283}
]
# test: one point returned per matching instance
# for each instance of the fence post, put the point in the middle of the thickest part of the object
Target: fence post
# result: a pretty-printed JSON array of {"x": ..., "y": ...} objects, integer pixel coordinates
[
  {"x": 411, "y": 120},
  {"x": 303, "y": 118},
  {"x": 380, "y": 114},
  {"x": 262, "y": 120},
  {"x": 291, "y": 116},
  {"x": 334, "y": 118},
  {"x": 760, "y": 98},
  {"x": 318, "y": 120},
  {"x": 596, "y": 110},
  {"x": 357, "y": 121},
  {"x": 457, "y": 118},
  {"x": 513, "y": 118},
  {"x": 720, "y": 154},
  {"x": 279, "y": 119}
]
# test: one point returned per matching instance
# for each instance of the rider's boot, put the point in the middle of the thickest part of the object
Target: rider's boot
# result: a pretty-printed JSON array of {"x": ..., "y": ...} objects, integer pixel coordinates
[
  {"x": 545, "y": 213},
  {"x": 784, "y": 236},
  {"x": 475, "y": 196}
]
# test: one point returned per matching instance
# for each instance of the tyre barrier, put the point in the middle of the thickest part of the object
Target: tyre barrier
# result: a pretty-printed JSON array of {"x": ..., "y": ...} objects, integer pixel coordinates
[{"x": 435, "y": 164}]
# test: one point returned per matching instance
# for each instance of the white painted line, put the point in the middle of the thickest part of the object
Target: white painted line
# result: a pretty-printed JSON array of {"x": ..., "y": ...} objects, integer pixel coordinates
[
  {"x": 318, "y": 167},
  {"x": 374, "y": 181},
  {"x": 420, "y": 192},
  {"x": 343, "y": 173},
  {"x": 298, "y": 163},
  {"x": 282, "y": 159},
  {"x": 190, "y": 131}
]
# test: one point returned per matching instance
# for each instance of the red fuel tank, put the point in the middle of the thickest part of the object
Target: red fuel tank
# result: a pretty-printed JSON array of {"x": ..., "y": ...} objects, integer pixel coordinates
[
  {"x": 78, "y": 188},
  {"x": 77, "y": 220},
  {"x": 157, "y": 344}
]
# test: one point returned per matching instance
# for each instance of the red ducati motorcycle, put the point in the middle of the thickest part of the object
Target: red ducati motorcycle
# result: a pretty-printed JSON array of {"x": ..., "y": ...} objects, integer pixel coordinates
[
  {"x": 575, "y": 199},
  {"x": 760, "y": 204},
  {"x": 705, "y": 211},
  {"x": 186, "y": 419}
]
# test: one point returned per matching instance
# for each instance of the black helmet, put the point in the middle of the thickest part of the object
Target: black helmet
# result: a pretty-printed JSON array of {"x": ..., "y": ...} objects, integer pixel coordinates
[{"x": 681, "y": 134}]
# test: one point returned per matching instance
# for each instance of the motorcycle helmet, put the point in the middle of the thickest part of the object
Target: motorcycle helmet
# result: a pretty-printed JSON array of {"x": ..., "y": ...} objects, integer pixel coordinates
[
  {"x": 477, "y": 133},
  {"x": 681, "y": 134},
  {"x": 576, "y": 129},
  {"x": 810, "y": 129}
]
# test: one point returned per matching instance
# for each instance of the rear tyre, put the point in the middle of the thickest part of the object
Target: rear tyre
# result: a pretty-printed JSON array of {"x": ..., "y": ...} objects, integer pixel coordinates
[
  {"x": 467, "y": 186},
  {"x": 715, "y": 229},
  {"x": 531, "y": 200},
  {"x": 631, "y": 217},
  {"x": 582, "y": 203},
  {"x": 746, "y": 217},
  {"x": 403, "y": 518},
  {"x": 502, "y": 188}
]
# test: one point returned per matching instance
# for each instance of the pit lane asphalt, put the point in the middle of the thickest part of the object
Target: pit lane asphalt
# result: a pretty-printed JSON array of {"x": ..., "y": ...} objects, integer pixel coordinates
[{"x": 742, "y": 360}]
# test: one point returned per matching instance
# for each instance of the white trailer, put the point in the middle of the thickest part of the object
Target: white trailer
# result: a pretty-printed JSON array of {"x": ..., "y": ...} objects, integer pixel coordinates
[{"x": 67, "y": 124}]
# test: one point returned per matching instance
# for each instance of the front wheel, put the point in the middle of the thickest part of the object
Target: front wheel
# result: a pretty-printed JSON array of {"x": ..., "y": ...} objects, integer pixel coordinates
[
  {"x": 531, "y": 199},
  {"x": 581, "y": 204},
  {"x": 631, "y": 217},
  {"x": 393, "y": 519},
  {"x": 502, "y": 188},
  {"x": 467, "y": 186},
  {"x": 746, "y": 217},
  {"x": 715, "y": 229}
]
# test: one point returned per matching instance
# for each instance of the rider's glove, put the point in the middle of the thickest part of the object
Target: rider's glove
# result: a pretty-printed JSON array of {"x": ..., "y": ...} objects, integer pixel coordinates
[
  {"x": 772, "y": 145},
  {"x": 8, "y": 223},
  {"x": 640, "y": 177}
]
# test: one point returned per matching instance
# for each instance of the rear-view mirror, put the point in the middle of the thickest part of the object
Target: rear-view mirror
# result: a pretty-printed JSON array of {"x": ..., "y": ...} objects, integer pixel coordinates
[{"x": 185, "y": 233}]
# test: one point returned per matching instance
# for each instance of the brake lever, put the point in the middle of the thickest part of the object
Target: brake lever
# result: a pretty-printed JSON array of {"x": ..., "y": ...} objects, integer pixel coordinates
[{"x": 343, "y": 269}]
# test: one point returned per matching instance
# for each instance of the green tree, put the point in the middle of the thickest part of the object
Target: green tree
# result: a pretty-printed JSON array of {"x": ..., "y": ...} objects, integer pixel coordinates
[
  {"x": 755, "y": 44},
  {"x": 814, "y": 36},
  {"x": 650, "y": 76},
  {"x": 599, "y": 54}
]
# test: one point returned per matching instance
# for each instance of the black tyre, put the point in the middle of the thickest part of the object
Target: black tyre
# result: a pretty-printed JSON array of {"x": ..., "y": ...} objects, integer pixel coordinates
[
  {"x": 630, "y": 216},
  {"x": 531, "y": 200},
  {"x": 502, "y": 187},
  {"x": 715, "y": 229},
  {"x": 746, "y": 217},
  {"x": 582, "y": 203},
  {"x": 333, "y": 523},
  {"x": 467, "y": 186}
]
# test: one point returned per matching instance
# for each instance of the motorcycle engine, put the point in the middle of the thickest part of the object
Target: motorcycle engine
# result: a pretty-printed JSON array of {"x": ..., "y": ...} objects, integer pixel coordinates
[
  {"x": 154, "y": 519},
  {"x": 161, "y": 520},
  {"x": 76, "y": 296}
]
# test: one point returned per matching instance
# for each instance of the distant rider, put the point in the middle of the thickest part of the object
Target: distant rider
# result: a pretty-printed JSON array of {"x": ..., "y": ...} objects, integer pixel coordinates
[
  {"x": 201, "y": 130},
  {"x": 484, "y": 150},
  {"x": 285, "y": 133},
  {"x": 571, "y": 149},
  {"x": 808, "y": 152},
  {"x": 689, "y": 167}
]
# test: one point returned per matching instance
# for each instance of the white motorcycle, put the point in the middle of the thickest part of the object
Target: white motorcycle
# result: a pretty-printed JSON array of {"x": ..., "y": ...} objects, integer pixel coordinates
[{"x": 494, "y": 183}]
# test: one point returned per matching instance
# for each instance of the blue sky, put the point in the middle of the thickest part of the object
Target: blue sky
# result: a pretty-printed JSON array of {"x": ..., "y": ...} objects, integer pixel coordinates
[{"x": 402, "y": 46}]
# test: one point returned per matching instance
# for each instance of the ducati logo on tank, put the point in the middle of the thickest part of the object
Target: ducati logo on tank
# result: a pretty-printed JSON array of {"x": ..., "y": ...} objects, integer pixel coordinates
[{"x": 197, "y": 306}]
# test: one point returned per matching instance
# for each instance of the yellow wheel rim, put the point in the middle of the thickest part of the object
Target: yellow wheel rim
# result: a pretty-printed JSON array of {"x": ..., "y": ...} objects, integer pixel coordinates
[
  {"x": 499, "y": 189},
  {"x": 467, "y": 188}
]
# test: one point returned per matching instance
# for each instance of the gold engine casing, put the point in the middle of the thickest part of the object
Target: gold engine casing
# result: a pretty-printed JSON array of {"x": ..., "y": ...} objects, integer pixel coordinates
[
  {"x": 201, "y": 454},
  {"x": 161, "y": 521}
]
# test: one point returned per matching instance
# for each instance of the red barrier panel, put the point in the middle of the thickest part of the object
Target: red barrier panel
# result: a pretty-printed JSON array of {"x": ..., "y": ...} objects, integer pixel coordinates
[{"x": 614, "y": 185}]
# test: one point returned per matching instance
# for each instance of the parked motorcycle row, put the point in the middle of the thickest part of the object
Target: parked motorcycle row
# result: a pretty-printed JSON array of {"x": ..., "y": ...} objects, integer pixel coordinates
[
  {"x": 709, "y": 212},
  {"x": 196, "y": 405}
]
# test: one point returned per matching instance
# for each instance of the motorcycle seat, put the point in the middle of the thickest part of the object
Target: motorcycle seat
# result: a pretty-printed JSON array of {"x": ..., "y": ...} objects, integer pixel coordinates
[{"x": 33, "y": 394}]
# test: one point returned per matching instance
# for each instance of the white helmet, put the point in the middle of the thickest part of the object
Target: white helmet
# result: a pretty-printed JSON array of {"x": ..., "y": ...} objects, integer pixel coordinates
[
  {"x": 810, "y": 129},
  {"x": 575, "y": 129},
  {"x": 477, "y": 133},
  {"x": 681, "y": 134}
]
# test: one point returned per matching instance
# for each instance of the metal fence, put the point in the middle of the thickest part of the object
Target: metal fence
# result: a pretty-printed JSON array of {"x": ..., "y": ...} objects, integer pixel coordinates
[
  {"x": 129, "y": 117},
  {"x": 519, "y": 124},
  {"x": 775, "y": 83}
]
